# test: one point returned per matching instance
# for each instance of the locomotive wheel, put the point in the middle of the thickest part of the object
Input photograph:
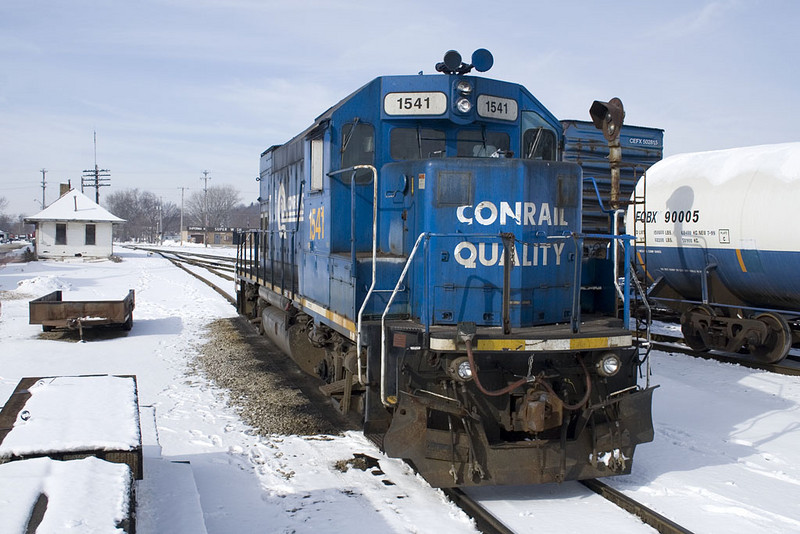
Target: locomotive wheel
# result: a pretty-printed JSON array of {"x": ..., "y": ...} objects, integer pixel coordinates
[
  {"x": 778, "y": 342},
  {"x": 690, "y": 337}
]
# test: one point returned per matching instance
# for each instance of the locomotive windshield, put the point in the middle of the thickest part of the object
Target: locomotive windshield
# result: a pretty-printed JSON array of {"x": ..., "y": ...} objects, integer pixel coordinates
[
  {"x": 482, "y": 143},
  {"x": 416, "y": 143}
]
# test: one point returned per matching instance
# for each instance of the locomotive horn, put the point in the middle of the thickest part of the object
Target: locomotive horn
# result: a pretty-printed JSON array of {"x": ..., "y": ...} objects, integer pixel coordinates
[
  {"x": 482, "y": 60},
  {"x": 451, "y": 64}
]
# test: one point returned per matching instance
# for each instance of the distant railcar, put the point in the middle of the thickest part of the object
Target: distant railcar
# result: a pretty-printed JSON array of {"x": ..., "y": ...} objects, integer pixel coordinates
[
  {"x": 421, "y": 251},
  {"x": 720, "y": 248}
]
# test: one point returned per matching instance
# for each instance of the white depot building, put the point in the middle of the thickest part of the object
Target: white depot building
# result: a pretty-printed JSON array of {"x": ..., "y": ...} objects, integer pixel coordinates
[{"x": 74, "y": 226}]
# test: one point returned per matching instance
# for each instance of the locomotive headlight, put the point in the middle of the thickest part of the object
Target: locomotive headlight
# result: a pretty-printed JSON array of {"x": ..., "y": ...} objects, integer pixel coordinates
[
  {"x": 464, "y": 87},
  {"x": 463, "y": 105},
  {"x": 460, "y": 369},
  {"x": 609, "y": 364}
]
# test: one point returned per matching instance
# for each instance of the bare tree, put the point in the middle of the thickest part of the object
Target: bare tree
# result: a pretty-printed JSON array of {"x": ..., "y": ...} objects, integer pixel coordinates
[
  {"x": 143, "y": 212},
  {"x": 170, "y": 217},
  {"x": 220, "y": 201},
  {"x": 13, "y": 223}
]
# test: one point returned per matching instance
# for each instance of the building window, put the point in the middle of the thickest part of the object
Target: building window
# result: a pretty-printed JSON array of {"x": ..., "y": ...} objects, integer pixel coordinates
[
  {"x": 61, "y": 233},
  {"x": 90, "y": 234}
]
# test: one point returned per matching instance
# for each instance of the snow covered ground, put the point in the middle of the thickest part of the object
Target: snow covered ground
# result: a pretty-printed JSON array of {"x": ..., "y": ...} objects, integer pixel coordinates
[{"x": 726, "y": 457}]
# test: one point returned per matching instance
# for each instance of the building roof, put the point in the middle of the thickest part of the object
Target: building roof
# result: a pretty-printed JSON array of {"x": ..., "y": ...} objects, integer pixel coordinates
[{"x": 74, "y": 206}]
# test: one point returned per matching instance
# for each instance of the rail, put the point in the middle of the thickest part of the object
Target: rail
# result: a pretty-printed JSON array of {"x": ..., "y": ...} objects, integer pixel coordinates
[
  {"x": 488, "y": 523},
  {"x": 647, "y": 515},
  {"x": 178, "y": 261}
]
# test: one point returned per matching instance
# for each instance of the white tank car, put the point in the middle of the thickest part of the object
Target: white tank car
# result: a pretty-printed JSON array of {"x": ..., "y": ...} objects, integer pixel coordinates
[{"x": 723, "y": 245}]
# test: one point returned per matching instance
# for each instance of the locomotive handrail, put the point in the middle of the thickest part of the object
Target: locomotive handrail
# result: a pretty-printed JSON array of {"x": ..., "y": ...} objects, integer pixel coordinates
[
  {"x": 622, "y": 241},
  {"x": 615, "y": 231},
  {"x": 386, "y": 310},
  {"x": 426, "y": 236},
  {"x": 374, "y": 171},
  {"x": 649, "y": 312}
]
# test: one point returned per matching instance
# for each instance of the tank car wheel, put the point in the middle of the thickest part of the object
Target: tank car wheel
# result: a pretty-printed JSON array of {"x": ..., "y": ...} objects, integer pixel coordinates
[
  {"x": 779, "y": 339},
  {"x": 693, "y": 340}
]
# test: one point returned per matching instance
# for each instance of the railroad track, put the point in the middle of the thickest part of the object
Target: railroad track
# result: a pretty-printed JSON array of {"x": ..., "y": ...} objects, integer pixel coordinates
[
  {"x": 670, "y": 343},
  {"x": 491, "y": 524},
  {"x": 485, "y": 521},
  {"x": 647, "y": 515},
  {"x": 220, "y": 264},
  {"x": 217, "y": 265}
]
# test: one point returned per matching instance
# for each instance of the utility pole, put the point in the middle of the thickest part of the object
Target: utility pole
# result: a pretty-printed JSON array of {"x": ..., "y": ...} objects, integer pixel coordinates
[
  {"x": 160, "y": 220},
  {"x": 44, "y": 186},
  {"x": 181, "y": 228},
  {"x": 205, "y": 179},
  {"x": 101, "y": 177}
]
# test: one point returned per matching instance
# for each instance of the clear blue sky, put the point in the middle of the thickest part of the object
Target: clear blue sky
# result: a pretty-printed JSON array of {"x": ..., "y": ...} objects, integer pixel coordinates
[{"x": 175, "y": 87}]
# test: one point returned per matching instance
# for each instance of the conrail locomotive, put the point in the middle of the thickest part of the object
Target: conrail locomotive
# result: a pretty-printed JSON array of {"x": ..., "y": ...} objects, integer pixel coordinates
[{"x": 422, "y": 251}]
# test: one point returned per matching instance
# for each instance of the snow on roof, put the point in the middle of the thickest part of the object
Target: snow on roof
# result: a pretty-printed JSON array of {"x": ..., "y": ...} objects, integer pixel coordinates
[
  {"x": 74, "y": 206},
  {"x": 70, "y": 413}
]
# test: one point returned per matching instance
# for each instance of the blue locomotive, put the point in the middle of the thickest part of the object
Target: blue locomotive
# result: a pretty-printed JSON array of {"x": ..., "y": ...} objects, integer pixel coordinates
[{"x": 421, "y": 250}]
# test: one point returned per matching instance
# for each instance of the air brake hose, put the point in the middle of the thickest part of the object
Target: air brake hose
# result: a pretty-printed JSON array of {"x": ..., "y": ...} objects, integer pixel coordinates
[
  {"x": 522, "y": 381},
  {"x": 496, "y": 393}
]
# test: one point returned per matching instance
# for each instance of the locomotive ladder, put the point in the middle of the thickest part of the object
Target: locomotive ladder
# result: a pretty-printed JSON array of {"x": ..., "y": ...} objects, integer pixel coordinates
[{"x": 641, "y": 311}]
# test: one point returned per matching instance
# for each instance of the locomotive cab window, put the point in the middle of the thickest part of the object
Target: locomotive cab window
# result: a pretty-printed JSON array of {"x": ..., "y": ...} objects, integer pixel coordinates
[
  {"x": 539, "y": 143},
  {"x": 316, "y": 164},
  {"x": 482, "y": 144},
  {"x": 539, "y": 140},
  {"x": 358, "y": 148},
  {"x": 416, "y": 143}
]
